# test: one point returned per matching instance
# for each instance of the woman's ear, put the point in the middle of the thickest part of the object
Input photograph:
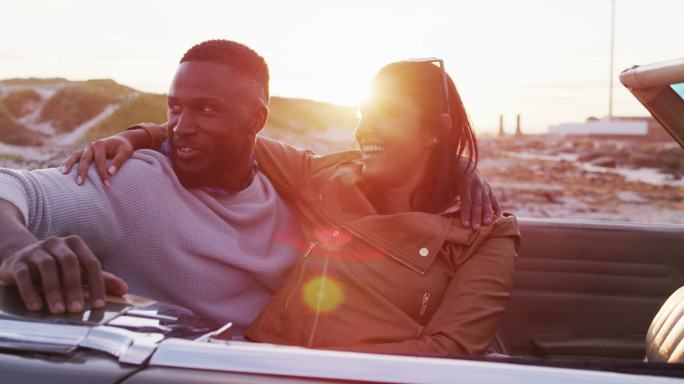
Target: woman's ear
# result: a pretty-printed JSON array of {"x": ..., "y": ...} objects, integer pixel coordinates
[
  {"x": 442, "y": 131},
  {"x": 446, "y": 123}
]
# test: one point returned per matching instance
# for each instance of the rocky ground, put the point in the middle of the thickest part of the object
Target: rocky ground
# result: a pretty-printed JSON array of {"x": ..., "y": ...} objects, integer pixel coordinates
[
  {"x": 570, "y": 178},
  {"x": 564, "y": 178}
]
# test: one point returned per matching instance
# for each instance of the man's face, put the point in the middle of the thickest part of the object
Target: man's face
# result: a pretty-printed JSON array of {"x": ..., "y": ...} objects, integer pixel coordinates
[{"x": 210, "y": 116}]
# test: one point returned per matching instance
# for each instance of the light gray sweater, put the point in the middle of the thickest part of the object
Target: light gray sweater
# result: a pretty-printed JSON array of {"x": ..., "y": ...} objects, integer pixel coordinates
[{"x": 222, "y": 257}]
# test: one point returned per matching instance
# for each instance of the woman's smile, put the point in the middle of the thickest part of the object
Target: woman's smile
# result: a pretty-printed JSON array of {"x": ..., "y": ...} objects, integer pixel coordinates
[{"x": 372, "y": 151}]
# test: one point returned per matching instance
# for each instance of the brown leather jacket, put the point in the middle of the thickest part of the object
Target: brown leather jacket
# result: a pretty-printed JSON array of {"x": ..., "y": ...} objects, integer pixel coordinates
[{"x": 409, "y": 283}]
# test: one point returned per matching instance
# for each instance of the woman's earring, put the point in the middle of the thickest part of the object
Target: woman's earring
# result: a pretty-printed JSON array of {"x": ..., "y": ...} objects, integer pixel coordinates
[{"x": 434, "y": 140}]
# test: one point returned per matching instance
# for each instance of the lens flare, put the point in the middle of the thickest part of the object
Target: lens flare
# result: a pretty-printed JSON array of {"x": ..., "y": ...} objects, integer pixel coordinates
[
  {"x": 323, "y": 294},
  {"x": 331, "y": 238}
]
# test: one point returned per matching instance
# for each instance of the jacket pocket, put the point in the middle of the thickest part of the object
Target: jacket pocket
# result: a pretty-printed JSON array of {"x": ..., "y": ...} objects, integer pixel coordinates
[{"x": 300, "y": 273}]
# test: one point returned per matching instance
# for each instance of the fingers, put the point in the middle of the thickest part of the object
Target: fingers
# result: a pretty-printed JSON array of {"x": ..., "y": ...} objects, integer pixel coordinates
[
  {"x": 92, "y": 270},
  {"x": 120, "y": 156},
  {"x": 114, "y": 285},
  {"x": 24, "y": 282},
  {"x": 498, "y": 209},
  {"x": 48, "y": 271},
  {"x": 466, "y": 206},
  {"x": 71, "y": 161},
  {"x": 487, "y": 214},
  {"x": 476, "y": 210},
  {"x": 84, "y": 163},
  {"x": 100, "y": 157},
  {"x": 70, "y": 274},
  {"x": 56, "y": 264}
]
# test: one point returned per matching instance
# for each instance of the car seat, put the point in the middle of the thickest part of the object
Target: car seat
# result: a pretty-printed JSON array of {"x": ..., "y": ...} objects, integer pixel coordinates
[{"x": 665, "y": 336}]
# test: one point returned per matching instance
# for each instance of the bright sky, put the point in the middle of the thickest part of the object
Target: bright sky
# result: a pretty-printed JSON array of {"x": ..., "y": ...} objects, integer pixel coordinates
[{"x": 545, "y": 59}]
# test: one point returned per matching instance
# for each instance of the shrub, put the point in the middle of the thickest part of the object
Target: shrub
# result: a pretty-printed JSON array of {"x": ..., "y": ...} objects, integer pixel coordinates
[
  {"x": 12, "y": 132},
  {"x": 73, "y": 105},
  {"x": 145, "y": 107},
  {"x": 21, "y": 103}
]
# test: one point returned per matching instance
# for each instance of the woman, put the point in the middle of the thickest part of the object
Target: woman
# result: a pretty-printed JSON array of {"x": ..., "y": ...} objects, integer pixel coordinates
[{"x": 389, "y": 268}]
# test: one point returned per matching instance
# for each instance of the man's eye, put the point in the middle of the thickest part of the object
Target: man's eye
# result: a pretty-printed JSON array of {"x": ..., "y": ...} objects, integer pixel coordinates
[
  {"x": 175, "y": 109},
  {"x": 207, "y": 109}
]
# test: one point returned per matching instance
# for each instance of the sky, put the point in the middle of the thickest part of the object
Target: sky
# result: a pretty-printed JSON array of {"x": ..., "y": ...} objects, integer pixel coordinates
[{"x": 547, "y": 60}]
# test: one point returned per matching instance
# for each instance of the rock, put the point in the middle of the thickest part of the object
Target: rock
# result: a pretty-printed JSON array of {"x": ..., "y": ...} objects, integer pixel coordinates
[
  {"x": 630, "y": 197},
  {"x": 639, "y": 160},
  {"x": 604, "y": 161},
  {"x": 589, "y": 156}
]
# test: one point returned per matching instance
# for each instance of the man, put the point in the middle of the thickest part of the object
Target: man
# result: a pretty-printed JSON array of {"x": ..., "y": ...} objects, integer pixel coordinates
[{"x": 202, "y": 228}]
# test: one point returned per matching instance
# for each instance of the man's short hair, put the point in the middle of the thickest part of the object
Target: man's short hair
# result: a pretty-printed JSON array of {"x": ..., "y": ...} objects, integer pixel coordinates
[{"x": 234, "y": 55}]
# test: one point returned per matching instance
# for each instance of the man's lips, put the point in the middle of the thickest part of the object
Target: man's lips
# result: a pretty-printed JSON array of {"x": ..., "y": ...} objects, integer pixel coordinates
[{"x": 186, "y": 152}]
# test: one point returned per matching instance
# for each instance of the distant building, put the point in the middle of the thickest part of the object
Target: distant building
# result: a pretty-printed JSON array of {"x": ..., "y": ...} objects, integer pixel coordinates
[{"x": 627, "y": 127}]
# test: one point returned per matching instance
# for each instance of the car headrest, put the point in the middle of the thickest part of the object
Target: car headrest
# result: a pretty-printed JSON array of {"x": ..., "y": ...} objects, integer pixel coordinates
[{"x": 665, "y": 337}]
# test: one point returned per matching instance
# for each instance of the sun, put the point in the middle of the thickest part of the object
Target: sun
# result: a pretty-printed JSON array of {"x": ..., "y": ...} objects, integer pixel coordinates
[{"x": 350, "y": 49}]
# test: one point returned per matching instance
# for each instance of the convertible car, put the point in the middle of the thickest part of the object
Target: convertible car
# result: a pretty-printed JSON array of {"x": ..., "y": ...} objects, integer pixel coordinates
[{"x": 593, "y": 302}]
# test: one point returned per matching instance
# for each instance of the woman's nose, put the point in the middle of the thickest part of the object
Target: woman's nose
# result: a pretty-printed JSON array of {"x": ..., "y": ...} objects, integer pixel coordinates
[{"x": 363, "y": 129}]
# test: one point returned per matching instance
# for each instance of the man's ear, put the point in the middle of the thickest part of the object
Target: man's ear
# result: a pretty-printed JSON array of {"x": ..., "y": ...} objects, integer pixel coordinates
[{"x": 259, "y": 119}]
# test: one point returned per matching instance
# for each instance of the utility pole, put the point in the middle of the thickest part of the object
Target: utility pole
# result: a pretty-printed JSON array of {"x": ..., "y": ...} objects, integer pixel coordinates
[
  {"x": 612, "y": 55},
  {"x": 518, "y": 129}
]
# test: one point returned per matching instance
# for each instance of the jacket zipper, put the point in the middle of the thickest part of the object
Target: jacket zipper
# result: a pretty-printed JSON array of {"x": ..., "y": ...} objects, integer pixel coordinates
[
  {"x": 424, "y": 303},
  {"x": 319, "y": 298},
  {"x": 300, "y": 276}
]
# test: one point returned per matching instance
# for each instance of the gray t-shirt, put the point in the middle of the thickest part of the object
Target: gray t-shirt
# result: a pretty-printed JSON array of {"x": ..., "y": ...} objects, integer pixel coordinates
[{"x": 222, "y": 257}]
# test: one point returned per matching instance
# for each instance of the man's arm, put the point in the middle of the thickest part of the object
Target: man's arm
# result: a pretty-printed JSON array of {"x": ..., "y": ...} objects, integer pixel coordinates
[{"x": 46, "y": 256}]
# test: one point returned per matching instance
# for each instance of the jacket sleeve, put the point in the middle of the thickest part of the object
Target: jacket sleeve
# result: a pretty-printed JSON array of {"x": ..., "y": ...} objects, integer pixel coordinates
[
  {"x": 475, "y": 300},
  {"x": 288, "y": 168}
]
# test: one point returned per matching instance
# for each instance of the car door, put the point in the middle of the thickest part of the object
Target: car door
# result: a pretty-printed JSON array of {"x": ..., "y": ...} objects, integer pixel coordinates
[{"x": 586, "y": 288}]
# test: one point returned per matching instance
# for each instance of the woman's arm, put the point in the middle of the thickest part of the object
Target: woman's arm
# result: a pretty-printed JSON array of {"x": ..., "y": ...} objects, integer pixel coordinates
[
  {"x": 474, "y": 302},
  {"x": 286, "y": 166}
]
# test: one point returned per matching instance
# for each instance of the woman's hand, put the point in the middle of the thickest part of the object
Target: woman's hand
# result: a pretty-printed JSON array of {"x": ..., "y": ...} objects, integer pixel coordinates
[
  {"x": 478, "y": 203},
  {"x": 117, "y": 148}
]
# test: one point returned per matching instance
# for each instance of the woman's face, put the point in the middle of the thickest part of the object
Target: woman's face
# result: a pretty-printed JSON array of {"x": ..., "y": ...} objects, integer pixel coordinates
[{"x": 394, "y": 145}]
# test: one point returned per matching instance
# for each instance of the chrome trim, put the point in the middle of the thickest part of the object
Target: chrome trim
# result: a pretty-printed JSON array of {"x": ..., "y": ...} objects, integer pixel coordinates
[
  {"x": 34, "y": 332},
  {"x": 255, "y": 358},
  {"x": 127, "y": 346}
]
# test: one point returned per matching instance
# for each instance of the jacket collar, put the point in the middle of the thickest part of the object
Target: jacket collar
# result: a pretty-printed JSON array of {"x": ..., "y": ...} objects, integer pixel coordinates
[{"x": 413, "y": 238}]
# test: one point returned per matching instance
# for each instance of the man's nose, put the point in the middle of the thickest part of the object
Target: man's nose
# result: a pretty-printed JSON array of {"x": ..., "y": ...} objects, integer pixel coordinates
[{"x": 186, "y": 124}]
